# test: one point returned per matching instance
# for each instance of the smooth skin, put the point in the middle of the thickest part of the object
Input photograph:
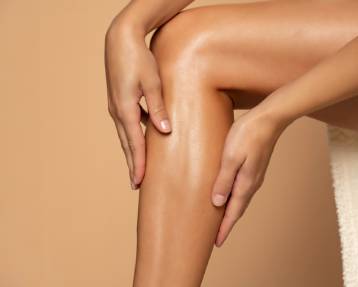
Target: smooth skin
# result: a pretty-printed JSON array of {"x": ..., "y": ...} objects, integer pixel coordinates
[{"x": 203, "y": 63}]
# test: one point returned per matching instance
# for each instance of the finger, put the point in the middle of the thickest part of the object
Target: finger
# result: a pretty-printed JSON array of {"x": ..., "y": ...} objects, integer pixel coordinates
[
  {"x": 116, "y": 114},
  {"x": 153, "y": 96},
  {"x": 136, "y": 143},
  {"x": 243, "y": 190},
  {"x": 126, "y": 149},
  {"x": 247, "y": 181},
  {"x": 230, "y": 165}
]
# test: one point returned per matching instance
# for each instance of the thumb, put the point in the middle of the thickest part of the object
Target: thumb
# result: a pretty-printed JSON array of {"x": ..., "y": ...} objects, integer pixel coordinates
[{"x": 157, "y": 112}]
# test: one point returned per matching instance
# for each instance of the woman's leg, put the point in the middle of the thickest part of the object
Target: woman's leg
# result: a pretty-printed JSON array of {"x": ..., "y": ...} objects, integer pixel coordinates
[
  {"x": 177, "y": 223},
  {"x": 255, "y": 48},
  {"x": 251, "y": 49}
]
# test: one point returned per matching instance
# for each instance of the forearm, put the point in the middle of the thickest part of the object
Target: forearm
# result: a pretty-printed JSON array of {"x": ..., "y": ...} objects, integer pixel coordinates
[
  {"x": 331, "y": 81},
  {"x": 146, "y": 15}
]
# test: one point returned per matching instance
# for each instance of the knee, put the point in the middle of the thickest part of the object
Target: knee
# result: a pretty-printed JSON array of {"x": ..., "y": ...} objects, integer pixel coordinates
[
  {"x": 184, "y": 49},
  {"x": 178, "y": 46}
]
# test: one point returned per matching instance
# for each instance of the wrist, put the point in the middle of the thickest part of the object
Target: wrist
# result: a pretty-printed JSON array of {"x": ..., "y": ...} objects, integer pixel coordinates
[
  {"x": 272, "y": 115},
  {"x": 280, "y": 108},
  {"x": 125, "y": 22}
]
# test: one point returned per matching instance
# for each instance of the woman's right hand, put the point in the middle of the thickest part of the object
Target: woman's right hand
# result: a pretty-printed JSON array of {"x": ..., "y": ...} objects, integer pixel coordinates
[{"x": 132, "y": 72}]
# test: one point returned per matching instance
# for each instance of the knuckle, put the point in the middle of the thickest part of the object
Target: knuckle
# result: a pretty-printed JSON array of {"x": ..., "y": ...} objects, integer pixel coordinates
[
  {"x": 253, "y": 183},
  {"x": 249, "y": 183},
  {"x": 157, "y": 110},
  {"x": 241, "y": 195},
  {"x": 153, "y": 87},
  {"x": 255, "y": 186},
  {"x": 120, "y": 108},
  {"x": 260, "y": 181},
  {"x": 247, "y": 178},
  {"x": 108, "y": 35},
  {"x": 124, "y": 146},
  {"x": 121, "y": 112},
  {"x": 132, "y": 145},
  {"x": 230, "y": 159},
  {"x": 135, "y": 145},
  {"x": 111, "y": 111},
  {"x": 244, "y": 192},
  {"x": 111, "y": 30}
]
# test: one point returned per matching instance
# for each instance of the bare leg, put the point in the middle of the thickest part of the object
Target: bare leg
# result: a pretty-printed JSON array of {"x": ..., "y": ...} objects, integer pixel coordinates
[
  {"x": 177, "y": 222},
  {"x": 244, "y": 49},
  {"x": 252, "y": 49}
]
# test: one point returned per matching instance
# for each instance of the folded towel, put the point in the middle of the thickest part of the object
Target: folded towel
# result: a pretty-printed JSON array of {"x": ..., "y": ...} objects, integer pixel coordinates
[{"x": 344, "y": 166}]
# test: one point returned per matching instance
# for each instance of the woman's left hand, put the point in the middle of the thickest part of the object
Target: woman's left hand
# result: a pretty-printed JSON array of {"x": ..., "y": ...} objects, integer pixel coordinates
[
  {"x": 252, "y": 137},
  {"x": 247, "y": 152}
]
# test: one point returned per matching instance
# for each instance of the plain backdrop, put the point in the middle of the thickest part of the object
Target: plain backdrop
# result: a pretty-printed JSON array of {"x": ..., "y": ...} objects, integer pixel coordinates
[{"x": 67, "y": 214}]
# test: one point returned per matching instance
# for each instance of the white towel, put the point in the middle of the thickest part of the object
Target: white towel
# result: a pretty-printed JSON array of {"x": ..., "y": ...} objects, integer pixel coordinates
[{"x": 344, "y": 165}]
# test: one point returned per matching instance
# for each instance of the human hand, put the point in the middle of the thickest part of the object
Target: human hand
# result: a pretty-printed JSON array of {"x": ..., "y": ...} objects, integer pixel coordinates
[
  {"x": 247, "y": 152},
  {"x": 132, "y": 72}
]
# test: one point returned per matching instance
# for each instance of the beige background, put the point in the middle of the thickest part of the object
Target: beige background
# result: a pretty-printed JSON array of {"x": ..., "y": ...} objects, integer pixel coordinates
[{"x": 67, "y": 215}]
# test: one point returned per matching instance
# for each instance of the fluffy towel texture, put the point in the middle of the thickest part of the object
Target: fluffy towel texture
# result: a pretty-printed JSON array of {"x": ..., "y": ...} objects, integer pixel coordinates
[{"x": 344, "y": 165}]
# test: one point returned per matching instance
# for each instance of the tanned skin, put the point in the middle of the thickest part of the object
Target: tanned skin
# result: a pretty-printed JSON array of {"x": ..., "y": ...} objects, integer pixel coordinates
[{"x": 197, "y": 168}]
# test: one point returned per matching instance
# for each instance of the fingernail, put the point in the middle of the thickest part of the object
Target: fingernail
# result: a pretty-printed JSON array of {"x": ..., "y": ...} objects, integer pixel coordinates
[
  {"x": 219, "y": 244},
  {"x": 136, "y": 181},
  {"x": 219, "y": 200},
  {"x": 133, "y": 186},
  {"x": 165, "y": 125}
]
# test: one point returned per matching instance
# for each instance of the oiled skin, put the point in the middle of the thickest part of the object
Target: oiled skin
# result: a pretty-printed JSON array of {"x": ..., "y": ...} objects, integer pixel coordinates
[{"x": 252, "y": 49}]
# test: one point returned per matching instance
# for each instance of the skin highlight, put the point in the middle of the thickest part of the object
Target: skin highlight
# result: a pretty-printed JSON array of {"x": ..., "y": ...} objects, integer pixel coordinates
[{"x": 209, "y": 61}]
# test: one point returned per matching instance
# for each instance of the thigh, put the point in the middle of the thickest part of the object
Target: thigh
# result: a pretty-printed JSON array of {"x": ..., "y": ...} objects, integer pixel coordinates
[{"x": 251, "y": 49}]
